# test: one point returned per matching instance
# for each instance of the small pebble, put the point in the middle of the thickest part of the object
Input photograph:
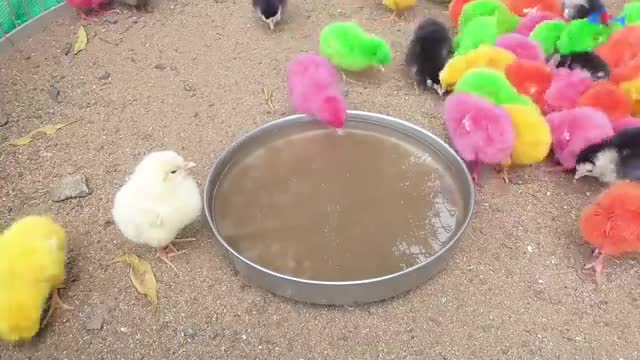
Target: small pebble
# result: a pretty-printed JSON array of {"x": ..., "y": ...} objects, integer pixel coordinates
[
  {"x": 67, "y": 48},
  {"x": 4, "y": 120},
  {"x": 189, "y": 87},
  {"x": 74, "y": 186},
  {"x": 54, "y": 93},
  {"x": 161, "y": 66},
  {"x": 105, "y": 75}
]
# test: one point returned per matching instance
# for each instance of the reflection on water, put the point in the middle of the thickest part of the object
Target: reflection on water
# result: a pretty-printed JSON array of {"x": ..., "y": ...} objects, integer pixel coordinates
[{"x": 332, "y": 207}]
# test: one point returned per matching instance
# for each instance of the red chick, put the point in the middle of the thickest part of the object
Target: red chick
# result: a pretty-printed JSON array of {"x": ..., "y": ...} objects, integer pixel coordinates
[
  {"x": 621, "y": 48},
  {"x": 531, "y": 78},
  {"x": 455, "y": 10},
  {"x": 524, "y": 7},
  {"x": 88, "y": 6},
  {"x": 608, "y": 98},
  {"x": 612, "y": 223}
]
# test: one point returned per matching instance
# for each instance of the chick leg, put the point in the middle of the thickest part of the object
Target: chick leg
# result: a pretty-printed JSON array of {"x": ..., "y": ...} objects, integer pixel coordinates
[
  {"x": 164, "y": 256},
  {"x": 55, "y": 303},
  {"x": 393, "y": 16},
  {"x": 474, "y": 174},
  {"x": 597, "y": 265},
  {"x": 504, "y": 168}
]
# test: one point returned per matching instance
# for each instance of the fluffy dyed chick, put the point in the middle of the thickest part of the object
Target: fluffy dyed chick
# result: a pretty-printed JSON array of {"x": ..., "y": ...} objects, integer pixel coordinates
[
  {"x": 525, "y": 7},
  {"x": 612, "y": 223},
  {"x": 530, "y": 78},
  {"x": 157, "y": 201},
  {"x": 269, "y": 11},
  {"x": 582, "y": 35},
  {"x": 573, "y": 130},
  {"x": 485, "y": 56},
  {"x": 350, "y": 48},
  {"x": 533, "y": 18},
  {"x": 32, "y": 259},
  {"x": 429, "y": 50},
  {"x": 313, "y": 87},
  {"x": 484, "y": 30},
  {"x": 533, "y": 135},
  {"x": 632, "y": 90},
  {"x": 608, "y": 98},
  {"x": 88, "y": 8},
  {"x": 631, "y": 13},
  {"x": 455, "y": 10},
  {"x": 521, "y": 46},
  {"x": 481, "y": 132},
  {"x": 398, "y": 5},
  {"x": 622, "y": 47},
  {"x": 479, "y": 8},
  {"x": 626, "y": 72},
  {"x": 491, "y": 85},
  {"x": 566, "y": 88},
  {"x": 547, "y": 34}
]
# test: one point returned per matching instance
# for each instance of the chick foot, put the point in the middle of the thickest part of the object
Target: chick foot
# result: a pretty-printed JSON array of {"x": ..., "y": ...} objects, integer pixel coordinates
[
  {"x": 165, "y": 256},
  {"x": 504, "y": 169},
  {"x": 393, "y": 16},
  {"x": 345, "y": 78},
  {"x": 55, "y": 303}
]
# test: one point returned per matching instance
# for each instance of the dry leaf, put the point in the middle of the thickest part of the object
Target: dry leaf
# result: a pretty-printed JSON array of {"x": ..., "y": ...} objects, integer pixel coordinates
[
  {"x": 47, "y": 130},
  {"x": 81, "y": 43},
  {"x": 142, "y": 277}
]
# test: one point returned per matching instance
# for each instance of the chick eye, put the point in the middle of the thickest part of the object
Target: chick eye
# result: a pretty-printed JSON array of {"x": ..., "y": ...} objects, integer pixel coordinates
[{"x": 174, "y": 171}]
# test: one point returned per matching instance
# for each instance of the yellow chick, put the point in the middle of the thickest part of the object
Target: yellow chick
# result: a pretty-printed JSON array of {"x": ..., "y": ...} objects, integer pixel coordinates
[
  {"x": 533, "y": 136},
  {"x": 485, "y": 56},
  {"x": 632, "y": 90},
  {"x": 398, "y": 5},
  {"x": 32, "y": 257}
]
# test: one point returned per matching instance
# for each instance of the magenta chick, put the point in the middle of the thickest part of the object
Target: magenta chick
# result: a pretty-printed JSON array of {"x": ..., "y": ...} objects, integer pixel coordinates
[
  {"x": 566, "y": 88},
  {"x": 481, "y": 132},
  {"x": 314, "y": 88},
  {"x": 88, "y": 6},
  {"x": 575, "y": 129}
]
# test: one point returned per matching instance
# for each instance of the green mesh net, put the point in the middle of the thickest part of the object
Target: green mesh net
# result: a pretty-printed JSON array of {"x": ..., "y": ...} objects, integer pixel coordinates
[{"x": 14, "y": 13}]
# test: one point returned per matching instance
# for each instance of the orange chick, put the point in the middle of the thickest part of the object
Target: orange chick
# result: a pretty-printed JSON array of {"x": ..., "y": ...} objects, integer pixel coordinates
[
  {"x": 608, "y": 98},
  {"x": 626, "y": 72},
  {"x": 612, "y": 223},
  {"x": 531, "y": 78}
]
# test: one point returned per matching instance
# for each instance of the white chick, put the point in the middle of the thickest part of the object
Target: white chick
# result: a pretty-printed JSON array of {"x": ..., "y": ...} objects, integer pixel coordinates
[{"x": 157, "y": 201}]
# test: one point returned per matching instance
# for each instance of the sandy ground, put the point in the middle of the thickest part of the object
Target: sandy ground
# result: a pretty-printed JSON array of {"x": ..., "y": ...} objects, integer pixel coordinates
[{"x": 514, "y": 290}]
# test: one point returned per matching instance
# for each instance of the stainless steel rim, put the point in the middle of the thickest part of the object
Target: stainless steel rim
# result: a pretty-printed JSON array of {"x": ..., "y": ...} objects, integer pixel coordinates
[{"x": 396, "y": 124}]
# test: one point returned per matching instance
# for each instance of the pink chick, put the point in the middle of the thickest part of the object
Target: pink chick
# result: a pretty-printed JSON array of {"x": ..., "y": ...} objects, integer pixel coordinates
[
  {"x": 566, "y": 88},
  {"x": 84, "y": 6},
  {"x": 529, "y": 22},
  {"x": 481, "y": 131},
  {"x": 521, "y": 46},
  {"x": 575, "y": 129},
  {"x": 313, "y": 87},
  {"x": 625, "y": 123}
]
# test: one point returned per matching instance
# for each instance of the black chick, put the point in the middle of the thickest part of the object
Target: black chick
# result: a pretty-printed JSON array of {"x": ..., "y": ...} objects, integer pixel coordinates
[
  {"x": 580, "y": 9},
  {"x": 615, "y": 158},
  {"x": 270, "y": 11},
  {"x": 586, "y": 60},
  {"x": 429, "y": 50}
]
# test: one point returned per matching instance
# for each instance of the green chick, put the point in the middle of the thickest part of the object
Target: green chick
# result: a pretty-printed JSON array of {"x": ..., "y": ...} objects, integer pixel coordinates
[
  {"x": 491, "y": 85},
  {"x": 484, "y": 30},
  {"x": 547, "y": 34},
  {"x": 631, "y": 13},
  {"x": 478, "y": 8},
  {"x": 582, "y": 35},
  {"x": 350, "y": 48}
]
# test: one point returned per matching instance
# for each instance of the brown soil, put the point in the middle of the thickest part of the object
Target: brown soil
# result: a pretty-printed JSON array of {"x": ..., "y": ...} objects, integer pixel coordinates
[{"x": 189, "y": 77}]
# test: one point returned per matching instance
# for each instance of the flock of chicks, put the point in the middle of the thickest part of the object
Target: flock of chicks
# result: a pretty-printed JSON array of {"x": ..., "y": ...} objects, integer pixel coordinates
[{"x": 520, "y": 66}]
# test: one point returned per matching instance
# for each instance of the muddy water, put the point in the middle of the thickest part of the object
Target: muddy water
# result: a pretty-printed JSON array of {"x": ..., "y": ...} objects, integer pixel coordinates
[{"x": 331, "y": 207}]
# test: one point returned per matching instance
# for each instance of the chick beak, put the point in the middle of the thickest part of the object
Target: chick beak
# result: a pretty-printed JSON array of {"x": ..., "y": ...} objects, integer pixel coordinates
[{"x": 189, "y": 165}]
